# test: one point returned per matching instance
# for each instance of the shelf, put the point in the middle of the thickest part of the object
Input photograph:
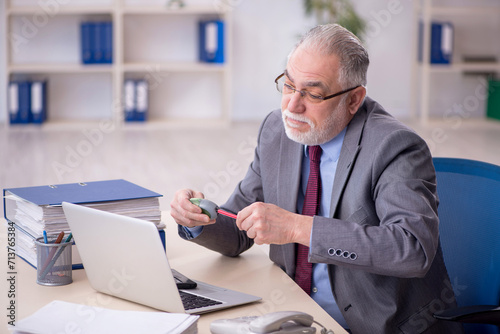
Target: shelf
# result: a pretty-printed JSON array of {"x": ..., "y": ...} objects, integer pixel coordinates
[
  {"x": 150, "y": 42},
  {"x": 164, "y": 10},
  {"x": 174, "y": 67},
  {"x": 61, "y": 10},
  {"x": 463, "y": 10},
  {"x": 464, "y": 67},
  {"x": 59, "y": 68}
]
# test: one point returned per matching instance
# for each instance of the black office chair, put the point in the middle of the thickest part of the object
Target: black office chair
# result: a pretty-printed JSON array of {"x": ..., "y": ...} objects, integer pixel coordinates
[{"x": 469, "y": 213}]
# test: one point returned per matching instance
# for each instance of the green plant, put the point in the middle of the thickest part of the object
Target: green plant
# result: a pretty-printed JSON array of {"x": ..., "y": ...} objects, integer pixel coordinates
[{"x": 336, "y": 11}]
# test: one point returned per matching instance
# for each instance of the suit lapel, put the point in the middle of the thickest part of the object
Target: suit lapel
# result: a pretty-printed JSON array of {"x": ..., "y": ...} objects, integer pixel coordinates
[
  {"x": 348, "y": 155},
  {"x": 289, "y": 173}
]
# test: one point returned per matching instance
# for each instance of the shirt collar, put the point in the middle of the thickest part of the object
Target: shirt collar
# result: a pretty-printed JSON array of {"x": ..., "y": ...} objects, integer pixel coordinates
[{"x": 331, "y": 149}]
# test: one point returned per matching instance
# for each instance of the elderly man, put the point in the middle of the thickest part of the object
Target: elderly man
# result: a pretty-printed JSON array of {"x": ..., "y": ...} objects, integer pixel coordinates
[{"x": 344, "y": 194}]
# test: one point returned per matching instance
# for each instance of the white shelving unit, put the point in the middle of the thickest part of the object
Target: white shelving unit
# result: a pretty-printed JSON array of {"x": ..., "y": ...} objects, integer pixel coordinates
[
  {"x": 150, "y": 41},
  {"x": 475, "y": 34}
]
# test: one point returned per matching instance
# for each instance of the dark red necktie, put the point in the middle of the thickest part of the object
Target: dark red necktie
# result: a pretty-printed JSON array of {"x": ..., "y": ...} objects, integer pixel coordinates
[{"x": 303, "y": 271}]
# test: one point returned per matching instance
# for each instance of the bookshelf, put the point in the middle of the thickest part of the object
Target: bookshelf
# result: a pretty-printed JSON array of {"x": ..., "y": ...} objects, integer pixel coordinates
[
  {"x": 475, "y": 36},
  {"x": 150, "y": 41}
]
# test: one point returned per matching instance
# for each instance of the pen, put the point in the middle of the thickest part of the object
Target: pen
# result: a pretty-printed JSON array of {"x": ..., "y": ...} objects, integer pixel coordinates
[
  {"x": 52, "y": 251},
  {"x": 45, "y": 237},
  {"x": 54, "y": 259}
]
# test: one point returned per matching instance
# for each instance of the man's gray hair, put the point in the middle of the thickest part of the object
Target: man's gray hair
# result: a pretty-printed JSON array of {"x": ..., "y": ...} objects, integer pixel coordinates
[{"x": 333, "y": 39}]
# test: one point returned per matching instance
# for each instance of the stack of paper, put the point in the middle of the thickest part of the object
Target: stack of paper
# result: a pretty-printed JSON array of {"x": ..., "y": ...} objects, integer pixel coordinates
[
  {"x": 36, "y": 209},
  {"x": 63, "y": 317}
]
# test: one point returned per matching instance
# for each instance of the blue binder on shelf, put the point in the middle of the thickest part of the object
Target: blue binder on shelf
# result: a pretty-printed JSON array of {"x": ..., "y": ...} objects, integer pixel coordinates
[
  {"x": 106, "y": 29},
  {"x": 441, "y": 42},
  {"x": 136, "y": 104},
  {"x": 87, "y": 41},
  {"x": 24, "y": 114},
  {"x": 38, "y": 101},
  {"x": 441, "y": 48},
  {"x": 96, "y": 40},
  {"x": 129, "y": 100},
  {"x": 13, "y": 102},
  {"x": 211, "y": 41},
  {"x": 141, "y": 100}
]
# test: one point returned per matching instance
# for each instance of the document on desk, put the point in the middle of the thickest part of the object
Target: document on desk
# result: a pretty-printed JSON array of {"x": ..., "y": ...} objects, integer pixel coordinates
[{"x": 64, "y": 317}]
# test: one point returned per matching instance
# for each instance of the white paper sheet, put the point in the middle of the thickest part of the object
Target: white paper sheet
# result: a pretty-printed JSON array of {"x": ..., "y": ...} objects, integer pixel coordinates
[{"x": 63, "y": 317}]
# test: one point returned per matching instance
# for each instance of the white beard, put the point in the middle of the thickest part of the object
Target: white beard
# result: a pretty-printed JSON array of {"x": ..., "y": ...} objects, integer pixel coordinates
[{"x": 316, "y": 135}]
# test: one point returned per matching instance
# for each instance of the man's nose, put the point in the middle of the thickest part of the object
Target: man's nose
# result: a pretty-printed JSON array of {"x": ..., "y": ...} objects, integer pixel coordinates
[{"x": 296, "y": 102}]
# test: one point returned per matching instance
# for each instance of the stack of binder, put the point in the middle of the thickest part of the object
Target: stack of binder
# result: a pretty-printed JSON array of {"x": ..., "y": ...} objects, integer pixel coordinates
[
  {"x": 211, "y": 41},
  {"x": 33, "y": 210},
  {"x": 136, "y": 95},
  {"x": 96, "y": 42},
  {"x": 27, "y": 101}
]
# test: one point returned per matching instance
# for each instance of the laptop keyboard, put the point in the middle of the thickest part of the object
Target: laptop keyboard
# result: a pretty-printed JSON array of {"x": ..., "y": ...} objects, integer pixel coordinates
[{"x": 191, "y": 301}]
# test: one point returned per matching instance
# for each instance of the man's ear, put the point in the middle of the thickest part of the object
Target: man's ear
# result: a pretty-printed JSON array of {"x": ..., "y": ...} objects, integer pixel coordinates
[{"x": 355, "y": 99}]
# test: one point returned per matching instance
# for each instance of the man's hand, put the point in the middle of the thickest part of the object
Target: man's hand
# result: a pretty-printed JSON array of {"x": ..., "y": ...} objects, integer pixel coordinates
[
  {"x": 186, "y": 213},
  {"x": 270, "y": 224}
]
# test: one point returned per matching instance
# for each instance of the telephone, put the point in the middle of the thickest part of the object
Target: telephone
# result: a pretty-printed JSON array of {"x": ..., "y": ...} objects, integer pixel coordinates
[{"x": 289, "y": 322}]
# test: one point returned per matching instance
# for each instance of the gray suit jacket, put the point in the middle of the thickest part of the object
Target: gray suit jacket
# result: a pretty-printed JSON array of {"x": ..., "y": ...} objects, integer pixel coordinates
[{"x": 381, "y": 244}]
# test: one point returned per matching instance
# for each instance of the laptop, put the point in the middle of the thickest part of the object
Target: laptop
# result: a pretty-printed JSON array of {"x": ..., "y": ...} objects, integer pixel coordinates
[{"x": 124, "y": 257}]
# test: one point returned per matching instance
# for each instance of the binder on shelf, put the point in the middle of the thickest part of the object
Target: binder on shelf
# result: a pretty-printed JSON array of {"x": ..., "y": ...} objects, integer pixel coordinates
[
  {"x": 136, "y": 94},
  {"x": 96, "y": 42},
  {"x": 441, "y": 42},
  {"x": 107, "y": 42},
  {"x": 33, "y": 210},
  {"x": 141, "y": 91},
  {"x": 24, "y": 115},
  {"x": 13, "y": 102},
  {"x": 129, "y": 100},
  {"x": 27, "y": 101},
  {"x": 441, "y": 48},
  {"x": 86, "y": 41},
  {"x": 211, "y": 41},
  {"x": 38, "y": 101}
]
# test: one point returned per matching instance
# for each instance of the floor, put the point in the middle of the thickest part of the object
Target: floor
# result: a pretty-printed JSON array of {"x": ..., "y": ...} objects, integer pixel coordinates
[{"x": 166, "y": 158}]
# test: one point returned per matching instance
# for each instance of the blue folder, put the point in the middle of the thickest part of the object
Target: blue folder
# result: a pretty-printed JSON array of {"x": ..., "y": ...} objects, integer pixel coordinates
[
  {"x": 38, "y": 101},
  {"x": 78, "y": 193},
  {"x": 106, "y": 30},
  {"x": 211, "y": 41},
  {"x": 87, "y": 42},
  {"x": 24, "y": 115}
]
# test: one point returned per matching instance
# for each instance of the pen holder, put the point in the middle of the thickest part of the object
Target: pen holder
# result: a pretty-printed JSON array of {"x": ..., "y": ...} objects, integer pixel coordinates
[{"x": 54, "y": 263}]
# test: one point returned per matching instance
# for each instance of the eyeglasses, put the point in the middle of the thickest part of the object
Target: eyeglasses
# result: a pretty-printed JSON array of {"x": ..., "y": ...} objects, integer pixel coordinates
[{"x": 285, "y": 88}]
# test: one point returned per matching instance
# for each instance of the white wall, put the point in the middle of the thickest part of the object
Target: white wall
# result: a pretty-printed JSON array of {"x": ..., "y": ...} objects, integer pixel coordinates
[{"x": 265, "y": 31}]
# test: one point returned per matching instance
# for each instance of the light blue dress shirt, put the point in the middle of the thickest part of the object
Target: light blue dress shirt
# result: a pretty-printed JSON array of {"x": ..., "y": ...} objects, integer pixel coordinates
[{"x": 321, "y": 290}]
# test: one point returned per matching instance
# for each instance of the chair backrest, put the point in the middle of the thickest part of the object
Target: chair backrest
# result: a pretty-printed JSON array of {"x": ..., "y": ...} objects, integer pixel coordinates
[{"x": 469, "y": 213}]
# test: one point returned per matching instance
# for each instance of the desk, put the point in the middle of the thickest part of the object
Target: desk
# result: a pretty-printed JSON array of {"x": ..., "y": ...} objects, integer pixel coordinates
[{"x": 252, "y": 272}]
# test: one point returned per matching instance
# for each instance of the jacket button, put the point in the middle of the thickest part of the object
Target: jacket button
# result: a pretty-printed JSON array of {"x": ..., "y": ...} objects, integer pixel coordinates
[
  {"x": 345, "y": 254},
  {"x": 331, "y": 251},
  {"x": 353, "y": 256}
]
